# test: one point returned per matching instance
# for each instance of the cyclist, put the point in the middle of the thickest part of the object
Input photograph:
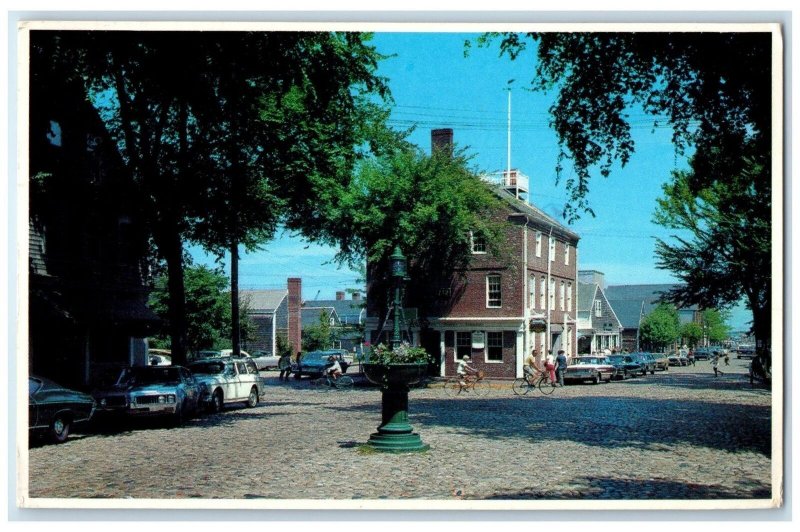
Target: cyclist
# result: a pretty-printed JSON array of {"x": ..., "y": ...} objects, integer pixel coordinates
[
  {"x": 530, "y": 367},
  {"x": 334, "y": 370},
  {"x": 463, "y": 369}
]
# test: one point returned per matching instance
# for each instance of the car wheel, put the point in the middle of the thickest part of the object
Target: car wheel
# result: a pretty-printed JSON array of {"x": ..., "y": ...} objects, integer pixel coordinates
[
  {"x": 59, "y": 429},
  {"x": 252, "y": 399},
  {"x": 217, "y": 402}
]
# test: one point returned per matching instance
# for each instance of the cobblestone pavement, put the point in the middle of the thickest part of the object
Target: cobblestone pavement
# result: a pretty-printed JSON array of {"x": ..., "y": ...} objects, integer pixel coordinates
[{"x": 680, "y": 434}]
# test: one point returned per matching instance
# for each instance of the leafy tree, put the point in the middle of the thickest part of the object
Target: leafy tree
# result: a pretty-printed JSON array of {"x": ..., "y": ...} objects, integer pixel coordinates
[
  {"x": 320, "y": 336},
  {"x": 715, "y": 91},
  {"x": 427, "y": 205},
  {"x": 715, "y": 326},
  {"x": 691, "y": 333},
  {"x": 661, "y": 327},
  {"x": 207, "y": 309},
  {"x": 227, "y": 133}
]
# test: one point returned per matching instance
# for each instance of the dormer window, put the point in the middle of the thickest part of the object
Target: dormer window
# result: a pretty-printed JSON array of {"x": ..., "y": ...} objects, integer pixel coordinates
[{"x": 478, "y": 243}]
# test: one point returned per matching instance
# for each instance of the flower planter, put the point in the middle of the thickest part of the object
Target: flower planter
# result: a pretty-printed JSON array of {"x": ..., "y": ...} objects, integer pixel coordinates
[{"x": 395, "y": 434}]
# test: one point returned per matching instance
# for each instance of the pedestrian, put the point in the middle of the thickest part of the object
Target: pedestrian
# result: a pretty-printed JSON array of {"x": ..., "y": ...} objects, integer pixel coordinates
[
  {"x": 297, "y": 358},
  {"x": 690, "y": 356},
  {"x": 561, "y": 366},
  {"x": 550, "y": 366},
  {"x": 727, "y": 358},
  {"x": 285, "y": 365},
  {"x": 715, "y": 363}
]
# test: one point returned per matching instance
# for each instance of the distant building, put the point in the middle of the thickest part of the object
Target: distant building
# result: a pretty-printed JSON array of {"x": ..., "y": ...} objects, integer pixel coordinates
[
  {"x": 599, "y": 328},
  {"x": 632, "y": 303},
  {"x": 275, "y": 313},
  {"x": 347, "y": 317}
]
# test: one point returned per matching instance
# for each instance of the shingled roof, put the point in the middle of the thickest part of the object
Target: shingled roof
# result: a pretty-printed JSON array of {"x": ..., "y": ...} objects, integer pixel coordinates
[
  {"x": 535, "y": 215},
  {"x": 263, "y": 301},
  {"x": 348, "y": 310},
  {"x": 631, "y": 301}
]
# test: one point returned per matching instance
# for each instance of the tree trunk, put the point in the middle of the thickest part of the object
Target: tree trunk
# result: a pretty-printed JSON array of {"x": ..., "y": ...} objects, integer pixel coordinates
[
  {"x": 171, "y": 248},
  {"x": 235, "y": 329}
]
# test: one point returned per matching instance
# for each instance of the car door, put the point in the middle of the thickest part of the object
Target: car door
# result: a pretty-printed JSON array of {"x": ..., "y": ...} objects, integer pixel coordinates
[
  {"x": 190, "y": 386},
  {"x": 33, "y": 406},
  {"x": 242, "y": 386}
]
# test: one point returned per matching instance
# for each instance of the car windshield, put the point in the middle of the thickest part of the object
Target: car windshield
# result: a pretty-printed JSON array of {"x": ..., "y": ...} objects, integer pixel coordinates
[
  {"x": 320, "y": 357},
  {"x": 616, "y": 359},
  {"x": 151, "y": 375},
  {"x": 207, "y": 368}
]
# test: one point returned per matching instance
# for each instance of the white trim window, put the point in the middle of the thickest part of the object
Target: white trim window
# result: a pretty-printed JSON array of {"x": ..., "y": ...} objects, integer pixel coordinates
[
  {"x": 552, "y": 252},
  {"x": 561, "y": 296},
  {"x": 532, "y": 291},
  {"x": 463, "y": 344},
  {"x": 494, "y": 346},
  {"x": 598, "y": 308},
  {"x": 569, "y": 297},
  {"x": 552, "y": 303},
  {"x": 566, "y": 254},
  {"x": 494, "y": 291},
  {"x": 478, "y": 243},
  {"x": 542, "y": 292},
  {"x": 538, "y": 243}
]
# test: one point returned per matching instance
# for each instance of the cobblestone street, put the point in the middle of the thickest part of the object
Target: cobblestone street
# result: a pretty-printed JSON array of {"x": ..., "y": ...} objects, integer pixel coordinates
[{"x": 679, "y": 434}]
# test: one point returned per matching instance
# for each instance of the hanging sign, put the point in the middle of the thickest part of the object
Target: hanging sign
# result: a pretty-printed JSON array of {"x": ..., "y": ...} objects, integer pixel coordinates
[{"x": 477, "y": 340}]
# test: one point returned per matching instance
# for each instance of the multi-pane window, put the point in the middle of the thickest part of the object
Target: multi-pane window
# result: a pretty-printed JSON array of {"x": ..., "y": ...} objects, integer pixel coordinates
[
  {"x": 542, "y": 292},
  {"x": 463, "y": 344},
  {"x": 493, "y": 291},
  {"x": 598, "y": 308},
  {"x": 538, "y": 243},
  {"x": 532, "y": 291},
  {"x": 566, "y": 253},
  {"x": 494, "y": 346},
  {"x": 569, "y": 297},
  {"x": 561, "y": 296},
  {"x": 552, "y": 302},
  {"x": 478, "y": 243},
  {"x": 552, "y": 253}
]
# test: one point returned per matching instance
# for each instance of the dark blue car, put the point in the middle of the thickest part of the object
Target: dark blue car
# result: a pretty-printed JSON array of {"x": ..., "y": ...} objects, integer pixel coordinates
[{"x": 314, "y": 363}]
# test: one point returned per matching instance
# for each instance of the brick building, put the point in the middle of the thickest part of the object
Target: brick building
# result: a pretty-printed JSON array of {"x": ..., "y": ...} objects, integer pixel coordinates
[{"x": 499, "y": 309}]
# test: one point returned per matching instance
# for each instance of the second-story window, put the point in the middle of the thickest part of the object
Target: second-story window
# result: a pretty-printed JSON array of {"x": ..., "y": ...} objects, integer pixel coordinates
[
  {"x": 569, "y": 297},
  {"x": 538, "y": 243},
  {"x": 542, "y": 292},
  {"x": 566, "y": 253},
  {"x": 552, "y": 300},
  {"x": 532, "y": 291},
  {"x": 552, "y": 253},
  {"x": 561, "y": 296},
  {"x": 493, "y": 292},
  {"x": 478, "y": 242},
  {"x": 598, "y": 308}
]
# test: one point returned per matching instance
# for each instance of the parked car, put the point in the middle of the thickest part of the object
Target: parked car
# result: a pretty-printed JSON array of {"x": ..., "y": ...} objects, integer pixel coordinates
[
  {"x": 226, "y": 380},
  {"x": 646, "y": 361},
  {"x": 702, "y": 353},
  {"x": 53, "y": 409},
  {"x": 625, "y": 364},
  {"x": 661, "y": 360},
  {"x": 143, "y": 391},
  {"x": 745, "y": 351},
  {"x": 314, "y": 363},
  {"x": 675, "y": 360},
  {"x": 591, "y": 368},
  {"x": 265, "y": 360}
]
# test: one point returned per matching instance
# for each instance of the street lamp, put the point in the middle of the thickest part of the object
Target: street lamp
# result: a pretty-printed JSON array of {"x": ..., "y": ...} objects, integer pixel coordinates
[{"x": 398, "y": 272}]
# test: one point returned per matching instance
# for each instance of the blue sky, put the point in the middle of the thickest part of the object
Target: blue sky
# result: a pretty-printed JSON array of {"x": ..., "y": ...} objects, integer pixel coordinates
[{"x": 435, "y": 86}]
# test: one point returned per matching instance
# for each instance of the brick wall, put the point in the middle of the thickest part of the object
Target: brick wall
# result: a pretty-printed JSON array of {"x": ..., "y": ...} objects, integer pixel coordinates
[
  {"x": 494, "y": 370},
  {"x": 294, "y": 303}
]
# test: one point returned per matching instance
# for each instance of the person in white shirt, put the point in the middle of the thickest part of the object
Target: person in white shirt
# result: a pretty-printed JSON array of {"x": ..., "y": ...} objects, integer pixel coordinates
[
  {"x": 335, "y": 369},
  {"x": 463, "y": 369}
]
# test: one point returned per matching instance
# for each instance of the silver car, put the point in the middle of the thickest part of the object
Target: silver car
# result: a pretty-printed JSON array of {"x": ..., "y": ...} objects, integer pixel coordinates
[{"x": 228, "y": 380}]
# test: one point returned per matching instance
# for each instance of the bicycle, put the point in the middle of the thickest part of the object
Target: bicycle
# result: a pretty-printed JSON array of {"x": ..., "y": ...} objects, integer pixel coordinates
[
  {"x": 343, "y": 383},
  {"x": 453, "y": 386},
  {"x": 525, "y": 384}
]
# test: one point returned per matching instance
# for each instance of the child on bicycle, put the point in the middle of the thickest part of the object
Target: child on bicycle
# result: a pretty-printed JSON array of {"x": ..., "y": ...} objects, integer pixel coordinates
[
  {"x": 335, "y": 369},
  {"x": 463, "y": 369}
]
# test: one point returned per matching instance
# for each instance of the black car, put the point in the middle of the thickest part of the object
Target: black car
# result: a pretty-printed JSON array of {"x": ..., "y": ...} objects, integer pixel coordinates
[
  {"x": 646, "y": 361},
  {"x": 702, "y": 354},
  {"x": 314, "y": 363},
  {"x": 627, "y": 364},
  {"x": 53, "y": 409}
]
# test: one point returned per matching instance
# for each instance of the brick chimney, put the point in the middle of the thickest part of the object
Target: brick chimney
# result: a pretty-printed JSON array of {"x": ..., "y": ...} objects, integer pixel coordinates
[
  {"x": 339, "y": 296},
  {"x": 442, "y": 139},
  {"x": 295, "y": 325},
  {"x": 356, "y": 296}
]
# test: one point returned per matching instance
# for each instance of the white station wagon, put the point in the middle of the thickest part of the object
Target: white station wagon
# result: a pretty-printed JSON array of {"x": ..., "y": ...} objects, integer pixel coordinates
[{"x": 227, "y": 380}]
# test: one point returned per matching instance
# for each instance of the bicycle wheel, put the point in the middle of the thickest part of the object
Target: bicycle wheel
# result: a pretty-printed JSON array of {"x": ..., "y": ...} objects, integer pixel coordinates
[
  {"x": 480, "y": 388},
  {"x": 545, "y": 387},
  {"x": 521, "y": 387},
  {"x": 344, "y": 383},
  {"x": 321, "y": 383},
  {"x": 452, "y": 387}
]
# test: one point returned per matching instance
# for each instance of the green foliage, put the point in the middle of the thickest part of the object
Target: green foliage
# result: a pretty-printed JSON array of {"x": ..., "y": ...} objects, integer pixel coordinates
[
  {"x": 283, "y": 347},
  {"x": 715, "y": 326},
  {"x": 691, "y": 333},
  {"x": 402, "y": 354},
  {"x": 207, "y": 309},
  {"x": 713, "y": 89},
  {"x": 726, "y": 254},
  {"x": 661, "y": 327},
  {"x": 319, "y": 336},
  {"x": 425, "y": 204}
]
